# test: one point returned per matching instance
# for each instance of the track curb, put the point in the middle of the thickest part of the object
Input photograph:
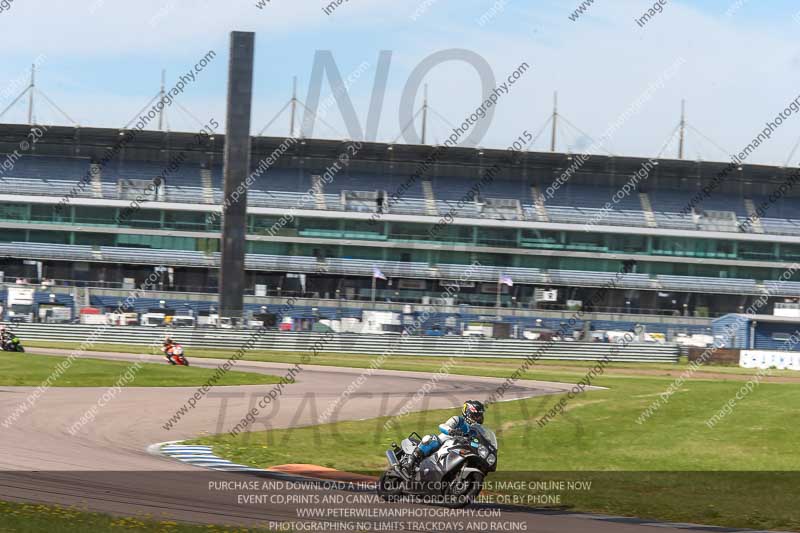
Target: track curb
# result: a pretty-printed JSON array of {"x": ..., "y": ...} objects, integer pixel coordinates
[{"x": 203, "y": 457}]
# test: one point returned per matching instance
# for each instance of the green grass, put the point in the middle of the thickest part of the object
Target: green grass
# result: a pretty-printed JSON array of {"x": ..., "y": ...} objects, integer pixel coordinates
[
  {"x": 597, "y": 432},
  {"x": 742, "y": 473},
  {"x": 491, "y": 367},
  {"x": 31, "y": 370},
  {"x": 36, "y": 518},
  {"x": 672, "y": 467}
]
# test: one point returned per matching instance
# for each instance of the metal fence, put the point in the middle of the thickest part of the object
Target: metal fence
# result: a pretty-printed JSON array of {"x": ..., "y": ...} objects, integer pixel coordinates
[{"x": 352, "y": 343}]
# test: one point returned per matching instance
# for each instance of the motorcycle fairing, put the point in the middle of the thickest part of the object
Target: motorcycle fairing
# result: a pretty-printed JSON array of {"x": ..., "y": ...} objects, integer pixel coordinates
[
  {"x": 435, "y": 467},
  {"x": 408, "y": 446}
]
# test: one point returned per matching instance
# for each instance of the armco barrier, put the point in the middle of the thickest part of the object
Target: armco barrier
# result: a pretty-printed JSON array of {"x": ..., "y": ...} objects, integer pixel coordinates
[{"x": 350, "y": 343}]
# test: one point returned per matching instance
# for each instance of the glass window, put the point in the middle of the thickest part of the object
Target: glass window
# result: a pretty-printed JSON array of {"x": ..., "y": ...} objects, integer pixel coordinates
[
  {"x": 208, "y": 245},
  {"x": 355, "y": 252},
  {"x": 12, "y": 235},
  {"x": 47, "y": 213},
  {"x": 407, "y": 255},
  {"x": 162, "y": 242},
  {"x": 330, "y": 224},
  {"x": 537, "y": 261},
  {"x": 497, "y": 260},
  {"x": 185, "y": 220},
  {"x": 51, "y": 237},
  {"x": 415, "y": 232},
  {"x": 94, "y": 239},
  {"x": 267, "y": 248},
  {"x": 261, "y": 224},
  {"x": 789, "y": 252},
  {"x": 140, "y": 218},
  {"x": 756, "y": 250},
  {"x": 627, "y": 243},
  {"x": 363, "y": 226},
  {"x": 497, "y": 237},
  {"x": 13, "y": 211},
  {"x": 88, "y": 214}
]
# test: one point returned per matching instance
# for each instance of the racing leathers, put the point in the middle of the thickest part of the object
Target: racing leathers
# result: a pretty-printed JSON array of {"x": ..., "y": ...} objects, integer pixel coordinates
[{"x": 454, "y": 426}]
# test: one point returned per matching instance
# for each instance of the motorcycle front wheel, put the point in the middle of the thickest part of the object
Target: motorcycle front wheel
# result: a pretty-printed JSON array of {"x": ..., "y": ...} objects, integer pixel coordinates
[
  {"x": 463, "y": 492},
  {"x": 390, "y": 486}
]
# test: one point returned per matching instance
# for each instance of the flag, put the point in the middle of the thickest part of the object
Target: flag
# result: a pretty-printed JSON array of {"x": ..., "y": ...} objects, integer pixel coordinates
[
  {"x": 376, "y": 273},
  {"x": 506, "y": 280}
]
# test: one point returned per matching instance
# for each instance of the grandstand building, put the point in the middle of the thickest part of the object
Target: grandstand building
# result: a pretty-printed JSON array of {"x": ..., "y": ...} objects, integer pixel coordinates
[{"x": 89, "y": 206}]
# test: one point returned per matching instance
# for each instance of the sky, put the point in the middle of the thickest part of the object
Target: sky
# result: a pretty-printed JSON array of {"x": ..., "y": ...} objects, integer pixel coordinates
[{"x": 738, "y": 66}]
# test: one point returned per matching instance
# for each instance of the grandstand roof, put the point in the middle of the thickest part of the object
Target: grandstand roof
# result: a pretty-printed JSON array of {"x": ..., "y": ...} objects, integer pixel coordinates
[{"x": 403, "y": 158}]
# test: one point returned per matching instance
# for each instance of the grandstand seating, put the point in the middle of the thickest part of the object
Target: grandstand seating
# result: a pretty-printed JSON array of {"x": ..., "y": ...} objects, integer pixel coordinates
[
  {"x": 596, "y": 216},
  {"x": 179, "y": 174},
  {"x": 584, "y": 196},
  {"x": 580, "y": 278},
  {"x": 44, "y": 297},
  {"x": 784, "y": 208},
  {"x": 784, "y": 288},
  {"x": 51, "y": 167},
  {"x": 722, "y": 285},
  {"x": 781, "y": 226},
  {"x": 344, "y": 181},
  {"x": 454, "y": 189},
  {"x": 405, "y": 205},
  {"x": 674, "y": 221},
  {"x": 277, "y": 188}
]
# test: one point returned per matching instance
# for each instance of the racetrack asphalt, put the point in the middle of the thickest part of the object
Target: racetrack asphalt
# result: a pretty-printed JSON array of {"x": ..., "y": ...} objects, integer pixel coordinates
[{"x": 105, "y": 465}]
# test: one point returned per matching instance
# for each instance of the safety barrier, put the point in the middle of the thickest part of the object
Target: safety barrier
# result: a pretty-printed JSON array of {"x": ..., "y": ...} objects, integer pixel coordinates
[{"x": 350, "y": 343}]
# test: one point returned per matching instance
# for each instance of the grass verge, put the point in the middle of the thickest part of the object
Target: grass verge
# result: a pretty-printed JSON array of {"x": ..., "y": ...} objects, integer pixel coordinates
[
  {"x": 743, "y": 472},
  {"x": 36, "y": 518},
  {"x": 491, "y": 367},
  {"x": 31, "y": 370}
]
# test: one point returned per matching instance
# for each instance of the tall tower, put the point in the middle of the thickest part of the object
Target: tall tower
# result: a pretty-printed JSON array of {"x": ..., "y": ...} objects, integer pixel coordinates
[{"x": 236, "y": 170}]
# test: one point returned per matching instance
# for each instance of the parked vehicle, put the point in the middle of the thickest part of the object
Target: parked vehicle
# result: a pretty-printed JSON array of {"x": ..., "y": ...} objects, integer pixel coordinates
[
  {"x": 152, "y": 319},
  {"x": 183, "y": 321}
]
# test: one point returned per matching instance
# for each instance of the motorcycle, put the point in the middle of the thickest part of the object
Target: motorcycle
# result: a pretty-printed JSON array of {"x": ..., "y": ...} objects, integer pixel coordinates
[
  {"x": 12, "y": 344},
  {"x": 175, "y": 355},
  {"x": 451, "y": 476}
]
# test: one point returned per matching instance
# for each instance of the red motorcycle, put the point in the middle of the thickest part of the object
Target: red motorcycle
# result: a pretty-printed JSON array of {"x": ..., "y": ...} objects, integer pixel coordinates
[{"x": 175, "y": 355}]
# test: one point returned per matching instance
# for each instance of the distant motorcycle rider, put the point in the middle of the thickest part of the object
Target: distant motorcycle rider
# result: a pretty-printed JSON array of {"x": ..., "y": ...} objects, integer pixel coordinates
[
  {"x": 471, "y": 413},
  {"x": 5, "y": 336},
  {"x": 169, "y": 344}
]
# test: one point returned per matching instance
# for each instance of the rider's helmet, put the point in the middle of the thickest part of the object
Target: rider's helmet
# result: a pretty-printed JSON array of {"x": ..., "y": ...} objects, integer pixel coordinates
[
  {"x": 473, "y": 412},
  {"x": 168, "y": 340}
]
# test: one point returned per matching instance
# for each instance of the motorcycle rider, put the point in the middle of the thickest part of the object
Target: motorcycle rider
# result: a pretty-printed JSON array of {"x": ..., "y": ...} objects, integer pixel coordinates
[
  {"x": 471, "y": 413},
  {"x": 5, "y": 336},
  {"x": 169, "y": 344}
]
